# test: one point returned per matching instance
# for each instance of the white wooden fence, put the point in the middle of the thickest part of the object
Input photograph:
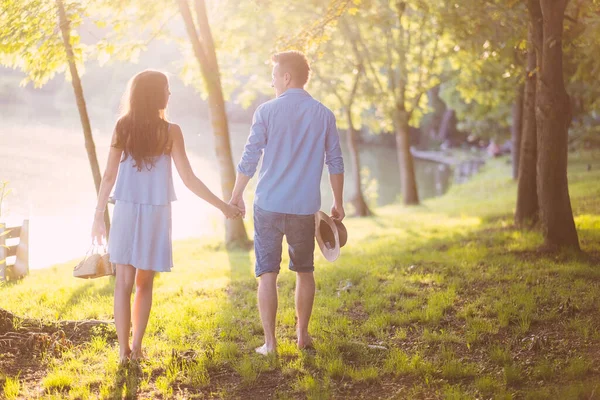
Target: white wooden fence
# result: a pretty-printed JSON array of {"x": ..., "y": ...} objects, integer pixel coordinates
[{"x": 14, "y": 258}]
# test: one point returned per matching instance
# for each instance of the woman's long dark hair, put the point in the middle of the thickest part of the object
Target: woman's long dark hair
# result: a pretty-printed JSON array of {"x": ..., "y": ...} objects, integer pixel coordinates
[{"x": 142, "y": 128}]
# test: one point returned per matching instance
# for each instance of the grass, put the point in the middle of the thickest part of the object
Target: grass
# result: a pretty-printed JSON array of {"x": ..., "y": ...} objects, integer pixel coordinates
[
  {"x": 444, "y": 300},
  {"x": 12, "y": 388}
]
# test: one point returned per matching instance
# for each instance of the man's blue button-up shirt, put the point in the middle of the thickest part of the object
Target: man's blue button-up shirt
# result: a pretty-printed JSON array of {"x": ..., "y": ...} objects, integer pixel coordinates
[{"x": 297, "y": 135}]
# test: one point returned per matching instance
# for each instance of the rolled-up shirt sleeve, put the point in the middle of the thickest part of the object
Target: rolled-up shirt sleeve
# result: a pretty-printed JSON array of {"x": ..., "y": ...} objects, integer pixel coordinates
[
  {"x": 255, "y": 144},
  {"x": 333, "y": 151}
]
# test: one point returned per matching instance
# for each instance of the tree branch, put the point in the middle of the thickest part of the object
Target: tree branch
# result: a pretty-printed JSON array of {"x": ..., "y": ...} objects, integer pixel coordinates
[
  {"x": 422, "y": 74},
  {"x": 356, "y": 39},
  {"x": 331, "y": 87},
  {"x": 186, "y": 14},
  {"x": 334, "y": 11},
  {"x": 402, "y": 59},
  {"x": 205, "y": 35},
  {"x": 355, "y": 86},
  {"x": 390, "y": 67},
  {"x": 160, "y": 29}
]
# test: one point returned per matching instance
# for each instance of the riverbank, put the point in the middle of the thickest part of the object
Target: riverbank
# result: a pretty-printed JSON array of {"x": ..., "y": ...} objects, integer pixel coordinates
[{"x": 444, "y": 300}]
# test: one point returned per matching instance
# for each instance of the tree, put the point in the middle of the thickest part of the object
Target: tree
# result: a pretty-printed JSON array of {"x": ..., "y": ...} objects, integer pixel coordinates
[
  {"x": 28, "y": 42},
  {"x": 403, "y": 49},
  {"x": 338, "y": 75},
  {"x": 552, "y": 122},
  {"x": 204, "y": 50},
  {"x": 65, "y": 29},
  {"x": 411, "y": 71},
  {"x": 402, "y": 45},
  {"x": 527, "y": 211},
  {"x": 582, "y": 44},
  {"x": 516, "y": 129},
  {"x": 337, "y": 80},
  {"x": 154, "y": 16},
  {"x": 489, "y": 39}
]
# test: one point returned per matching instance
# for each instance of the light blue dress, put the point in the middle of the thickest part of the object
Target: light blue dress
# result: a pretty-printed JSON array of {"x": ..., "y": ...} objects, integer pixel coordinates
[{"x": 140, "y": 233}]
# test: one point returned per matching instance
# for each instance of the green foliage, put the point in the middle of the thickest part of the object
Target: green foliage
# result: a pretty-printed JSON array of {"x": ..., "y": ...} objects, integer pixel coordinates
[
  {"x": 580, "y": 61},
  {"x": 30, "y": 39},
  {"x": 12, "y": 388},
  {"x": 461, "y": 264},
  {"x": 59, "y": 381},
  {"x": 489, "y": 57},
  {"x": 513, "y": 375},
  {"x": 578, "y": 367},
  {"x": 487, "y": 386},
  {"x": 455, "y": 370}
]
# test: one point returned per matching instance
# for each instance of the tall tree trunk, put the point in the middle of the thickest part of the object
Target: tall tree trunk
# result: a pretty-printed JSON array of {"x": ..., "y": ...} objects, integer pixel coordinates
[
  {"x": 553, "y": 120},
  {"x": 358, "y": 200},
  {"x": 65, "y": 29},
  {"x": 516, "y": 129},
  {"x": 204, "y": 50},
  {"x": 527, "y": 213},
  {"x": 408, "y": 182}
]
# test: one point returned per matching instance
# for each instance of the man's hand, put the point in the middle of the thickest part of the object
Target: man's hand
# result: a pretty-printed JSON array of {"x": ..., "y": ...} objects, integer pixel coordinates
[
  {"x": 239, "y": 203},
  {"x": 337, "y": 212}
]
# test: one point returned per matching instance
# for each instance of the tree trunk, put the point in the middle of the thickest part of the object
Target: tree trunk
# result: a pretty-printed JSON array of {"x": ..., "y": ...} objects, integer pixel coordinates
[
  {"x": 516, "y": 129},
  {"x": 553, "y": 120},
  {"x": 358, "y": 200},
  {"x": 527, "y": 213},
  {"x": 408, "y": 182},
  {"x": 83, "y": 114},
  {"x": 448, "y": 125},
  {"x": 204, "y": 50}
]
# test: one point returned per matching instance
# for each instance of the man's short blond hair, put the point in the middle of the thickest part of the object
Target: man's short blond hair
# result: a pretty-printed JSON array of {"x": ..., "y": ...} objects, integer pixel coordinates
[{"x": 294, "y": 62}]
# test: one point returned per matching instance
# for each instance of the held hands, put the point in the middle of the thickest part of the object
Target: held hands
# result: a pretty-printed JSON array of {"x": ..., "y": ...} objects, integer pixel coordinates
[
  {"x": 337, "y": 212},
  {"x": 239, "y": 204},
  {"x": 231, "y": 211}
]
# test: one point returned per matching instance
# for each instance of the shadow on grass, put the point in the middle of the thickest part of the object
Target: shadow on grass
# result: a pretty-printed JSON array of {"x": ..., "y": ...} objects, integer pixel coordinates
[
  {"x": 85, "y": 292},
  {"x": 127, "y": 380}
]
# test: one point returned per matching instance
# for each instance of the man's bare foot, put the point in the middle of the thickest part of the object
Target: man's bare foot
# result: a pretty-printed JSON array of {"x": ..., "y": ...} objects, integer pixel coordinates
[
  {"x": 264, "y": 350},
  {"x": 305, "y": 342}
]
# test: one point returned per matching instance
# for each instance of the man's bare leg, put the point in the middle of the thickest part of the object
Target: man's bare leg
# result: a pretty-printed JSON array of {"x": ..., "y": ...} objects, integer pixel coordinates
[
  {"x": 267, "y": 306},
  {"x": 305, "y": 296}
]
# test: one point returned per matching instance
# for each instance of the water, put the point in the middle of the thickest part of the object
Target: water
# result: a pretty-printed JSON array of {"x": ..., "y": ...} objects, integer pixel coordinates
[{"x": 47, "y": 168}]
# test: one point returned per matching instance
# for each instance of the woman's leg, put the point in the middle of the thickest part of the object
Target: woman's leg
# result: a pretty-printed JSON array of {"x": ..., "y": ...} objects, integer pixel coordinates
[
  {"x": 122, "y": 308},
  {"x": 141, "y": 309}
]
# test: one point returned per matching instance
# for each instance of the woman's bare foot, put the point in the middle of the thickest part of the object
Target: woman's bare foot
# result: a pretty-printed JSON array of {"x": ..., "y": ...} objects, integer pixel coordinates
[
  {"x": 124, "y": 356},
  {"x": 264, "y": 350},
  {"x": 305, "y": 342},
  {"x": 136, "y": 355}
]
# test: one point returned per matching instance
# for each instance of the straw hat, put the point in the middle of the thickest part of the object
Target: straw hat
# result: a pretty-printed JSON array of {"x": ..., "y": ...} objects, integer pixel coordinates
[{"x": 331, "y": 235}]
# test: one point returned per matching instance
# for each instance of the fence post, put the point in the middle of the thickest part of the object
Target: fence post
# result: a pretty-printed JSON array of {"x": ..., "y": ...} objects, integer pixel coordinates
[
  {"x": 3, "y": 252},
  {"x": 22, "y": 261}
]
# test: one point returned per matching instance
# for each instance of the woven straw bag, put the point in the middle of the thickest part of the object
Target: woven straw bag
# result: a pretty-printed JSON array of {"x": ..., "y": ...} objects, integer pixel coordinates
[{"x": 94, "y": 265}]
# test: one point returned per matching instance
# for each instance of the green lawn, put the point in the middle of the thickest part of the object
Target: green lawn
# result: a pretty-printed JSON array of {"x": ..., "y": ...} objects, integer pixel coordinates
[{"x": 444, "y": 300}]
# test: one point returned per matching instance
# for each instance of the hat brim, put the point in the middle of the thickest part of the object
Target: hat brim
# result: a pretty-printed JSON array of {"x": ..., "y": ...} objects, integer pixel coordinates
[{"x": 330, "y": 253}]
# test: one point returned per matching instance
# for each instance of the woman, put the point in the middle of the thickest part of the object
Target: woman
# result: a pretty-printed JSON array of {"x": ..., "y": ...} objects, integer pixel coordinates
[{"x": 139, "y": 161}]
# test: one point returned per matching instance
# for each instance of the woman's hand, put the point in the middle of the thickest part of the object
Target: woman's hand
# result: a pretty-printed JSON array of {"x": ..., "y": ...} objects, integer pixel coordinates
[{"x": 98, "y": 228}]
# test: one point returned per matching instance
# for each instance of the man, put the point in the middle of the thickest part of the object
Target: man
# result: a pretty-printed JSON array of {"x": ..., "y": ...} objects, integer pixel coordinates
[{"x": 296, "y": 133}]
